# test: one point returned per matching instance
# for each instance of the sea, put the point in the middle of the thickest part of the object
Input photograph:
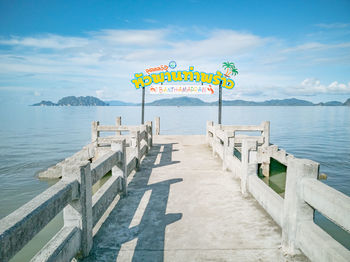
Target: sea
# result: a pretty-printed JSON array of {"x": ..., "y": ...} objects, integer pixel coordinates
[{"x": 35, "y": 138}]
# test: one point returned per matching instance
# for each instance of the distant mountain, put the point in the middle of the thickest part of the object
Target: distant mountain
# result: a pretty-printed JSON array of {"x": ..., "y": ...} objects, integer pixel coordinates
[
  {"x": 275, "y": 102},
  {"x": 119, "y": 103},
  {"x": 286, "y": 102},
  {"x": 190, "y": 101},
  {"x": 185, "y": 101},
  {"x": 45, "y": 103},
  {"x": 74, "y": 101},
  {"x": 237, "y": 103},
  {"x": 81, "y": 101},
  {"x": 330, "y": 103},
  {"x": 178, "y": 101},
  {"x": 347, "y": 102}
]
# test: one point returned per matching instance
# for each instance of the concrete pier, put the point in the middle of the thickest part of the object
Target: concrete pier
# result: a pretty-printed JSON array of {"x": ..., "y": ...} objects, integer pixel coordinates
[
  {"x": 181, "y": 206},
  {"x": 180, "y": 198}
]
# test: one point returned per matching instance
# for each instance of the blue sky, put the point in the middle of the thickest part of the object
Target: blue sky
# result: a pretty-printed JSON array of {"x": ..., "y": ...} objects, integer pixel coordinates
[{"x": 282, "y": 49}]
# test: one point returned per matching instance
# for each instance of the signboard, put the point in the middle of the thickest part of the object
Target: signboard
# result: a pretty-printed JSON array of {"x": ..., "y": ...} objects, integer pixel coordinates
[
  {"x": 162, "y": 81},
  {"x": 202, "y": 82}
]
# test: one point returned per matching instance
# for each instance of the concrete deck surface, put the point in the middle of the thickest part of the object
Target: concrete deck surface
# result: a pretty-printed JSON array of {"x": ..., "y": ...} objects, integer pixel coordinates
[{"x": 181, "y": 206}]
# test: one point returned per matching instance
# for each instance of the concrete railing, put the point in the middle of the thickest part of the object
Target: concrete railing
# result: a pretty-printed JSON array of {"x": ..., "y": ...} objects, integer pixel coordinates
[
  {"x": 228, "y": 145},
  {"x": 82, "y": 210},
  {"x": 303, "y": 192},
  {"x": 140, "y": 137},
  {"x": 87, "y": 153}
]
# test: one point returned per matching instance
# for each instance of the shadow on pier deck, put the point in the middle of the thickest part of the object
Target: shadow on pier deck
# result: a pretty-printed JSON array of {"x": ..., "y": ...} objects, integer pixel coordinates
[{"x": 181, "y": 206}]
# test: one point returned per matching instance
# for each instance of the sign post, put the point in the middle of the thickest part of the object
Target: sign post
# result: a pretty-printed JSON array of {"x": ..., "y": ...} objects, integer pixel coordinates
[
  {"x": 220, "y": 103},
  {"x": 143, "y": 106},
  {"x": 230, "y": 70}
]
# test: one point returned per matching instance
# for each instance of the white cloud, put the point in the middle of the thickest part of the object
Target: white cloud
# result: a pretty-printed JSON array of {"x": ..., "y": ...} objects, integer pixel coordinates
[
  {"x": 219, "y": 43},
  {"x": 47, "y": 41},
  {"x": 104, "y": 62},
  {"x": 100, "y": 94},
  {"x": 315, "y": 46},
  {"x": 313, "y": 86},
  {"x": 250, "y": 90},
  {"x": 339, "y": 87}
]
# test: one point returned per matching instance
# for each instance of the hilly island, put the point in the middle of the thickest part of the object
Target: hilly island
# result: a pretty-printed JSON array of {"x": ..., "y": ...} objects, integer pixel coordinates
[
  {"x": 74, "y": 101},
  {"x": 185, "y": 101}
]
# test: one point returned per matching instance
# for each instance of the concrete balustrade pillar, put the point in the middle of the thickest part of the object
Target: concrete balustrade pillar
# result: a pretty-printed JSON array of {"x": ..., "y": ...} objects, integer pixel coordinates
[
  {"x": 216, "y": 140},
  {"x": 157, "y": 124},
  {"x": 79, "y": 212},
  {"x": 120, "y": 169},
  {"x": 228, "y": 151},
  {"x": 118, "y": 123},
  {"x": 266, "y": 133},
  {"x": 295, "y": 209},
  {"x": 149, "y": 134},
  {"x": 138, "y": 149},
  {"x": 207, "y": 135},
  {"x": 94, "y": 132},
  {"x": 231, "y": 143},
  {"x": 224, "y": 156},
  {"x": 144, "y": 128},
  {"x": 249, "y": 162},
  {"x": 213, "y": 141},
  {"x": 228, "y": 148},
  {"x": 213, "y": 147}
]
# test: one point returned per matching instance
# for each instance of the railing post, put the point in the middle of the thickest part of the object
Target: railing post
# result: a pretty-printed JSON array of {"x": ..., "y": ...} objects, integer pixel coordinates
[
  {"x": 249, "y": 163},
  {"x": 207, "y": 135},
  {"x": 144, "y": 127},
  {"x": 118, "y": 123},
  {"x": 230, "y": 152},
  {"x": 231, "y": 143},
  {"x": 228, "y": 149},
  {"x": 120, "y": 168},
  {"x": 79, "y": 212},
  {"x": 224, "y": 152},
  {"x": 94, "y": 132},
  {"x": 149, "y": 134},
  {"x": 295, "y": 209},
  {"x": 157, "y": 123},
  {"x": 266, "y": 133},
  {"x": 138, "y": 149},
  {"x": 216, "y": 140}
]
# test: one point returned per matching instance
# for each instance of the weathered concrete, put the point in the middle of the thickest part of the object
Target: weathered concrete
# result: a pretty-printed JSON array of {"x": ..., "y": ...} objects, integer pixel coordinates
[
  {"x": 23, "y": 224},
  {"x": 118, "y": 123},
  {"x": 73, "y": 194},
  {"x": 296, "y": 210},
  {"x": 79, "y": 212},
  {"x": 157, "y": 125},
  {"x": 63, "y": 247},
  {"x": 181, "y": 206},
  {"x": 54, "y": 172}
]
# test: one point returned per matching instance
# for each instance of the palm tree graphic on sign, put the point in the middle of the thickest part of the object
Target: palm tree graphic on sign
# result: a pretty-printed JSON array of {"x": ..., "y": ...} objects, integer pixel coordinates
[{"x": 230, "y": 69}]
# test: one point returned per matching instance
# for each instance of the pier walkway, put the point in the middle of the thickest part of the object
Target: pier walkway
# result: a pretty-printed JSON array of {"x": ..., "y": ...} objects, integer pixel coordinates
[
  {"x": 181, "y": 206},
  {"x": 137, "y": 195}
]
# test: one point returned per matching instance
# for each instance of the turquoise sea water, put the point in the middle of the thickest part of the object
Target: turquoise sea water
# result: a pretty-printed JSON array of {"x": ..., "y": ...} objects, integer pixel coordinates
[{"x": 34, "y": 138}]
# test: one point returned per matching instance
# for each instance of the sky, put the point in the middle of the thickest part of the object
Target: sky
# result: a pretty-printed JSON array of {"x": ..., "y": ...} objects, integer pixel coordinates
[{"x": 282, "y": 49}]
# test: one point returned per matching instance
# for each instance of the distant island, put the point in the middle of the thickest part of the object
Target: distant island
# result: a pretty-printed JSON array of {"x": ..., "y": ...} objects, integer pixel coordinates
[
  {"x": 191, "y": 101},
  {"x": 184, "y": 101},
  {"x": 74, "y": 101}
]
